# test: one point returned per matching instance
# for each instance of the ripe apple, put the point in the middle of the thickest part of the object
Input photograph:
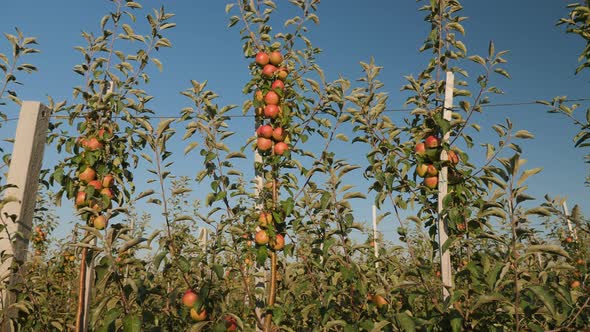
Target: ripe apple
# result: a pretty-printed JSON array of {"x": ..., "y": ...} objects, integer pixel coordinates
[
  {"x": 453, "y": 157},
  {"x": 107, "y": 181},
  {"x": 275, "y": 58},
  {"x": 431, "y": 142},
  {"x": 575, "y": 284},
  {"x": 93, "y": 144},
  {"x": 379, "y": 300},
  {"x": 107, "y": 192},
  {"x": 96, "y": 184},
  {"x": 265, "y": 219},
  {"x": 261, "y": 238},
  {"x": 271, "y": 111},
  {"x": 431, "y": 170},
  {"x": 271, "y": 98},
  {"x": 263, "y": 144},
  {"x": 282, "y": 73},
  {"x": 569, "y": 239},
  {"x": 87, "y": 175},
  {"x": 81, "y": 199},
  {"x": 268, "y": 71},
  {"x": 431, "y": 182},
  {"x": 190, "y": 298},
  {"x": 421, "y": 170},
  {"x": 281, "y": 148},
  {"x": 100, "y": 222},
  {"x": 279, "y": 242},
  {"x": 262, "y": 58},
  {"x": 198, "y": 316},
  {"x": 278, "y": 134},
  {"x": 230, "y": 323},
  {"x": 265, "y": 131},
  {"x": 420, "y": 149},
  {"x": 278, "y": 84}
]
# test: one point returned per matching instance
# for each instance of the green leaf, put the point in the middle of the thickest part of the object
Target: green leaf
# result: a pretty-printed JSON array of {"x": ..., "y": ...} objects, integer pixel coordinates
[
  {"x": 545, "y": 297},
  {"x": 526, "y": 174},
  {"x": 524, "y": 134},
  {"x": 546, "y": 249},
  {"x": 132, "y": 323}
]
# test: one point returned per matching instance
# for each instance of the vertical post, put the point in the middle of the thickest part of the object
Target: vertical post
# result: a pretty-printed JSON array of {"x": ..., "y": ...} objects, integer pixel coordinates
[
  {"x": 260, "y": 276},
  {"x": 569, "y": 222},
  {"x": 17, "y": 214},
  {"x": 445, "y": 256},
  {"x": 375, "y": 244}
]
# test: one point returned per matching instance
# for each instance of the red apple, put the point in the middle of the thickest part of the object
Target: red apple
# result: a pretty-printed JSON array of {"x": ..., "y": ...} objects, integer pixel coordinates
[
  {"x": 431, "y": 182},
  {"x": 81, "y": 199},
  {"x": 271, "y": 98},
  {"x": 281, "y": 148},
  {"x": 93, "y": 144},
  {"x": 275, "y": 58},
  {"x": 261, "y": 238},
  {"x": 96, "y": 184},
  {"x": 431, "y": 170},
  {"x": 265, "y": 131},
  {"x": 379, "y": 300},
  {"x": 87, "y": 175},
  {"x": 198, "y": 316},
  {"x": 421, "y": 170},
  {"x": 107, "y": 192},
  {"x": 453, "y": 157},
  {"x": 420, "y": 149},
  {"x": 190, "y": 298},
  {"x": 271, "y": 111},
  {"x": 263, "y": 144},
  {"x": 282, "y": 73},
  {"x": 268, "y": 71},
  {"x": 259, "y": 96},
  {"x": 107, "y": 181},
  {"x": 279, "y": 242},
  {"x": 230, "y": 323},
  {"x": 100, "y": 222},
  {"x": 262, "y": 59},
  {"x": 431, "y": 142},
  {"x": 265, "y": 219},
  {"x": 278, "y": 84},
  {"x": 278, "y": 134}
]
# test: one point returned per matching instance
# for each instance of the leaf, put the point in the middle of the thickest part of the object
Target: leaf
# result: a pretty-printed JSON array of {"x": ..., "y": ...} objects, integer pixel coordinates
[
  {"x": 379, "y": 326},
  {"x": 546, "y": 249},
  {"x": 545, "y": 297},
  {"x": 144, "y": 194},
  {"x": 132, "y": 4},
  {"x": 132, "y": 323},
  {"x": 190, "y": 147},
  {"x": 355, "y": 194},
  {"x": 524, "y": 134},
  {"x": 526, "y": 174}
]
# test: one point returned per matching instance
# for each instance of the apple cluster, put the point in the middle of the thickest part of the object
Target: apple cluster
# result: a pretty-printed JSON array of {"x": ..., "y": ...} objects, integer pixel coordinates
[
  {"x": 428, "y": 152},
  {"x": 95, "y": 191},
  {"x": 261, "y": 238},
  {"x": 267, "y": 101},
  {"x": 190, "y": 299}
]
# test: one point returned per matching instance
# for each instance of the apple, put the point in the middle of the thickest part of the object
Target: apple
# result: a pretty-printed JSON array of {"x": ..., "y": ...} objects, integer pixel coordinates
[
  {"x": 379, "y": 300},
  {"x": 279, "y": 242},
  {"x": 263, "y": 144},
  {"x": 575, "y": 284},
  {"x": 261, "y": 238},
  {"x": 81, "y": 199},
  {"x": 107, "y": 181},
  {"x": 271, "y": 98},
  {"x": 421, "y": 170},
  {"x": 265, "y": 219},
  {"x": 453, "y": 157},
  {"x": 268, "y": 71},
  {"x": 96, "y": 184},
  {"x": 190, "y": 298},
  {"x": 100, "y": 222},
  {"x": 93, "y": 144},
  {"x": 278, "y": 134},
  {"x": 271, "y": 111},
  {"x": 278, "y": 84},
  {"x": 431, "y": 142},
  {"x": 431, "y": 170},
  {"x": 265, "y": 131},
  {"x": 107, "y": 192},
  {"x": 420, "y": 149},
  {"x": 198, "y": 316},
  {"x": 569, "y": 239},
  {"x": 230, "y": 323},
  {"x": 103, "y": 130},
  {"x": 275, "y": 58},
  {"x": 282, "y": 73},
  {"x": 281, "y": 148},
  {"x": 431, "y": 182},
  {"x": 262, "y": 58},
  {"x": 87, "y": 175}
]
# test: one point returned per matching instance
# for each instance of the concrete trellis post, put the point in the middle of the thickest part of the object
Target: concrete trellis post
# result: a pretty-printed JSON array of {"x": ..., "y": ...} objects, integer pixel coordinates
[{"x": 17, "y": 213}]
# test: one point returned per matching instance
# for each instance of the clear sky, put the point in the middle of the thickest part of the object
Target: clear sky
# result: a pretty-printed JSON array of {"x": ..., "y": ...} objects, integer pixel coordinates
[{"x": 542, "y": 61}]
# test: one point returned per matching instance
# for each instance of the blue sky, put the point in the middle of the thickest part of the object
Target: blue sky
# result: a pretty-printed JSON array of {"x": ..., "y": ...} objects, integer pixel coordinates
[{"x": 542, "y": 61}]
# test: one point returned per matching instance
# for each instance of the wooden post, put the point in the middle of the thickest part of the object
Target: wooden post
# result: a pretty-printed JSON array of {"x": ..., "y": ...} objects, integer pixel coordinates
[
  {"x": 375, "y": 244},
  {"x": 260, "y": 276},
  {"x": 569, "y": 222},
  {"x": 445, "y": 256},
  {"x": 17, "y": 214}
]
